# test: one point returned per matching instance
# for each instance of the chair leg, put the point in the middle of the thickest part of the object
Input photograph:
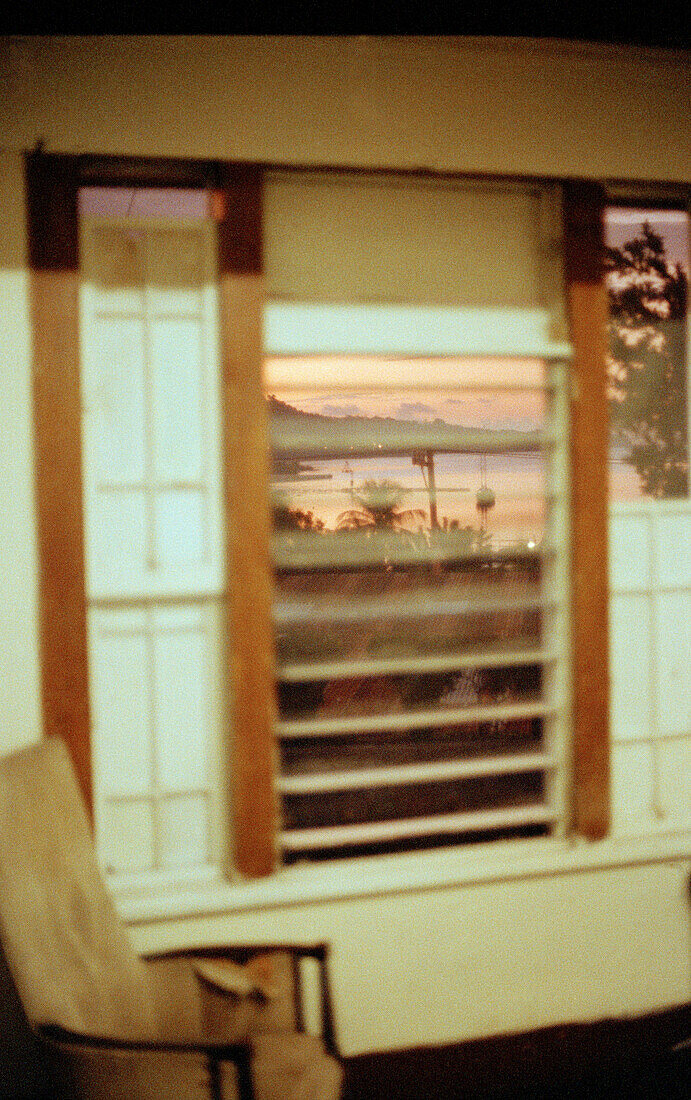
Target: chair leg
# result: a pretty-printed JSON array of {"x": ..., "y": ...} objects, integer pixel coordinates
[{"x": 243, "y": 1068}]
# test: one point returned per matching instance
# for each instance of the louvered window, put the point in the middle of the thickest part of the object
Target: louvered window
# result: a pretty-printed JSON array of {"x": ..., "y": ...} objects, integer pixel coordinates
[
  {"x": 415, "y": 384},
  {"x": 412, "y": 332}
]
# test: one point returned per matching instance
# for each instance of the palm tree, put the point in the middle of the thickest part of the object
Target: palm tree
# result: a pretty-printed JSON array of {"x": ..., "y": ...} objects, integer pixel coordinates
[
  {"x": 380, "y": 517},
  {"x": 378, "y": 508}
]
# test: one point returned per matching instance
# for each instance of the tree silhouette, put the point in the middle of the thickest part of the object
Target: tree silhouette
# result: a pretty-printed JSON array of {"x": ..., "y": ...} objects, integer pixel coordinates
[
  {"x": 378, "y": 507},
  {"x": 461, "y": 540},
  {"x": 647, "y": 367},
  {"x": 286, "y": 519}
]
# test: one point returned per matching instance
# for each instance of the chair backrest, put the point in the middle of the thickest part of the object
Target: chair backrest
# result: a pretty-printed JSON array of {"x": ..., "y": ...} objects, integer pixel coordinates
[{"x": 69, "y": 956}]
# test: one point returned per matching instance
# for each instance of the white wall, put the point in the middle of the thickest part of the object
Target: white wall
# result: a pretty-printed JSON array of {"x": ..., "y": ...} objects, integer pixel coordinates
[
  {"x": 19, "y": 678},
  {"x": 441, "y": 965},
  {"x": 427, "y": 965},
  {"x": 488, "y": 105}
]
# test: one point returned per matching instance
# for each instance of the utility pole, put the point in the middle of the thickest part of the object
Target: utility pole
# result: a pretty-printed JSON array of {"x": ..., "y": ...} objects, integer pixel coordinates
[
  {"x": 348, "y": 469},
  {"x": 425, "y": 460}
]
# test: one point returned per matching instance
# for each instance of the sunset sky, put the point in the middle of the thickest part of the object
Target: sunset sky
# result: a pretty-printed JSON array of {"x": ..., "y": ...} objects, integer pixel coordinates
[
  {"x": 420, "y": 390},
  {"x": 517, "y": 480},
  {"x": 622, "y": 223}
]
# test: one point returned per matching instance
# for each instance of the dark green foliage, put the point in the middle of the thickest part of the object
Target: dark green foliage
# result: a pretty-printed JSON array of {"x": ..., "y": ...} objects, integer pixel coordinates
[
  {"x": 287, "y": 519},
  {"x": 648, "y": 368}
]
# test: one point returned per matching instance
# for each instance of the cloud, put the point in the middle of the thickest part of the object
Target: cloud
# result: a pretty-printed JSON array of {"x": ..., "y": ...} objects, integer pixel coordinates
[
  {"x": 409, "y": 410},
  {"x": 463, "y": 402},
  {"x": 340, "y": 410}
]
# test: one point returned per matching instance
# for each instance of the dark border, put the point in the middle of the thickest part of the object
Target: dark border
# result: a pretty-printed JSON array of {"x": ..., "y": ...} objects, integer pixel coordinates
[{"x": 631, "y": 1058}]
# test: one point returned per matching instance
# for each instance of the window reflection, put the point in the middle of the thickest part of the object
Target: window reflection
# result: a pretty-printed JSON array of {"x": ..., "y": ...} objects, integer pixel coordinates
[
  {"x": 412, "y": 557},
  {"x": 647, "y": 264}
]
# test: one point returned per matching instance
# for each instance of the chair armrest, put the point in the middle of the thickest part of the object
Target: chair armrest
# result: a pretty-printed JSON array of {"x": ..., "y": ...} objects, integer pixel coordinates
[
  {"x": 242, "y": 953},
  {"x": 240, "y": 1054}
]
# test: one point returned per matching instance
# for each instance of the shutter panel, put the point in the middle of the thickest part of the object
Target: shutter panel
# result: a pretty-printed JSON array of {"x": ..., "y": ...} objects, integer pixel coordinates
[
  {"x": 151, "y": 416},
  {"x": 415, "y": 379},
  {"x": 155, "y": 555}
]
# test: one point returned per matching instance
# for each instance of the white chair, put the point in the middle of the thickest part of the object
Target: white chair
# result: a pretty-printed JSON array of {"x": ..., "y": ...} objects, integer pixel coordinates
[{"x": 219, "y": 1023}]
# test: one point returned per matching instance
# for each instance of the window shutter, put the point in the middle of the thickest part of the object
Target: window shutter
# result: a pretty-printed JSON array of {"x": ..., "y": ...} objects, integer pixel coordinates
[
  {"x": 422, "y": 666},
  {"x": 155, "y": 553}
]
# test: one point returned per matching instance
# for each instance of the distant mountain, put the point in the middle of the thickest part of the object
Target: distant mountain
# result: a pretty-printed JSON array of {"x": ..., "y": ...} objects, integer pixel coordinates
[
  {"x": 277, "y": 407},
  {"x": 299, "y": 435}
]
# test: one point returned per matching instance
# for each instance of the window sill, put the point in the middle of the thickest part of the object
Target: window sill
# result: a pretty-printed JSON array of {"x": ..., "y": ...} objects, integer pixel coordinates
[{"x": 204, "y": 893}]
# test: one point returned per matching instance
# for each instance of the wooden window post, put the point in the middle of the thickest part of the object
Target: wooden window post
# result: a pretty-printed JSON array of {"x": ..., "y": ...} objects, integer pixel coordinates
[
  {"x": 587, "y": 304},
  {"x": 52, "y": 185},
  {"x": 246, "y": 456}
]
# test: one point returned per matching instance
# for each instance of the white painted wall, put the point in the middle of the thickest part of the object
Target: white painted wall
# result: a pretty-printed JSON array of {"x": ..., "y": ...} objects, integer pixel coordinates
[
  {"x": 445, "y": 962},
  {"x": 488, "y": 105},
  {"x": 20, "y": 720},
  {"x": 441, "y": 965}
]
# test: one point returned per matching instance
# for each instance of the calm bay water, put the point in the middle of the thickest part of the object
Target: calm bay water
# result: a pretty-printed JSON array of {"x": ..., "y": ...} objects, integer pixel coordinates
[{"x": 517, "y": 480}]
